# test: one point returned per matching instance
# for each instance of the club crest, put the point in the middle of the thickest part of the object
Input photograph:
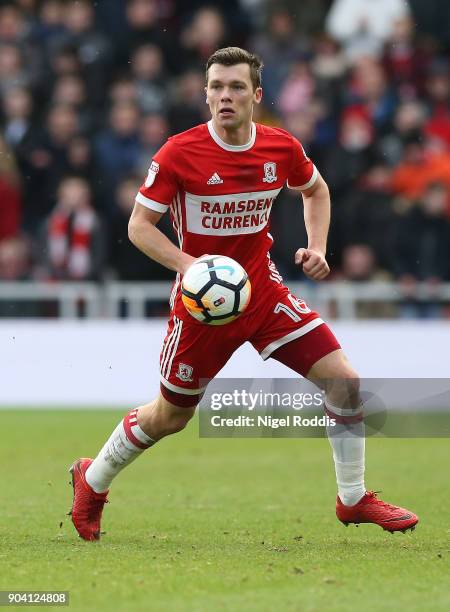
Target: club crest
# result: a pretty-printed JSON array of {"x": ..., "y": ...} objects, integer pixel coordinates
[
  {"x": 184, "y": 372},
  {"x": 270, "y": 172}
]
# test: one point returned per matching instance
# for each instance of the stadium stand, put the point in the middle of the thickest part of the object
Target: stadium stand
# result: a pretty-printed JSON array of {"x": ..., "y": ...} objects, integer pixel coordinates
[{"x": 90, "y": 90}]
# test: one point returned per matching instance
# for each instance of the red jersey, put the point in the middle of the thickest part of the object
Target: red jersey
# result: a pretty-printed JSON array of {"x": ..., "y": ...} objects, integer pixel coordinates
[{"x": 220, "y": 195}]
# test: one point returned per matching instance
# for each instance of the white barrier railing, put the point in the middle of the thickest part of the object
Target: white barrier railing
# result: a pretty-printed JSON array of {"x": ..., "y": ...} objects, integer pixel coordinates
[{"x": 106, "y": 301}]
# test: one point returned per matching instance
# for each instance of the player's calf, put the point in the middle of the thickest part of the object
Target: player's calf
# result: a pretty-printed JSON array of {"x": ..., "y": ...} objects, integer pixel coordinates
[
  {"x": 335, "y": 375},
  {"x": 139, "y": 430}
]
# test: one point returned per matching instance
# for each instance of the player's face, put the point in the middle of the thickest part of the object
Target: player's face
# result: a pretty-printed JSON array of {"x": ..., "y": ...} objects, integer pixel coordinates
[{"x": 230, "y": 95}]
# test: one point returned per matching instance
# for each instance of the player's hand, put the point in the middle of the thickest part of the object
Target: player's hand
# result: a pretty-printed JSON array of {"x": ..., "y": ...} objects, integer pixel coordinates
[
  {"x": 188, "y": 260},
  {"x": 313, "y": 262}
]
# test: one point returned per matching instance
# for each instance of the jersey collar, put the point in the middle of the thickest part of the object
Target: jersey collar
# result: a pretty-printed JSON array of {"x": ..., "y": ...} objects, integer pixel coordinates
[{"x": 228, "y": 147}]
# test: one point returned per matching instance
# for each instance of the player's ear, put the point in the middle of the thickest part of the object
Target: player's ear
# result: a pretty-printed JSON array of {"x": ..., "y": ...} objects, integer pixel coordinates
[{"x": 258, "y": 95}]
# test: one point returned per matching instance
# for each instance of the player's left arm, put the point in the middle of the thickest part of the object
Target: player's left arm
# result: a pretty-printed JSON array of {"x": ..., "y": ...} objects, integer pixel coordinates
[{"x": 316, "y": 205}]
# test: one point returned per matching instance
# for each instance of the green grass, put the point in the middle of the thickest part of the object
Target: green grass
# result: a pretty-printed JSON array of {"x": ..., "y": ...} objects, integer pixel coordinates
[{"x": 219, "y": 524}]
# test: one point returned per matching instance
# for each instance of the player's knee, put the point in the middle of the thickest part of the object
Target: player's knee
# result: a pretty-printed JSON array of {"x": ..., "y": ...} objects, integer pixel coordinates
[
  {"x": 344, "y": 388},
  {"x": 351, "y": 381}
]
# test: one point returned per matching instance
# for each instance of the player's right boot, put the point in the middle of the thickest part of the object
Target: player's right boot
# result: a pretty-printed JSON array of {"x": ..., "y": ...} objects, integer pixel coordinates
[{"x": 87, "y": 505}]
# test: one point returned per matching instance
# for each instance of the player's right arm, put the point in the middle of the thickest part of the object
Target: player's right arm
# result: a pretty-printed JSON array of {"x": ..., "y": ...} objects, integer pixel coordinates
[
  {"x": 152, "y": 201},
  {"x": 144, "y": 234}
]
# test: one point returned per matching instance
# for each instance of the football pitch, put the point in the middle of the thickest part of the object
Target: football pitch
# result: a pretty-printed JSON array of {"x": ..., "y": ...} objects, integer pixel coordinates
[{"x": 219, "y": 524}]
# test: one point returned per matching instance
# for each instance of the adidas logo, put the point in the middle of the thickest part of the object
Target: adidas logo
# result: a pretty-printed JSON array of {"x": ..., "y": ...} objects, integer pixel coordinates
[{"x": 214, "y": 180}]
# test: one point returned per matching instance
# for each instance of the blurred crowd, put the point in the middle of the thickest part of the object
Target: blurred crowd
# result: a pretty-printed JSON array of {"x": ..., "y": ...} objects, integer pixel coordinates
[{"x": 89, "y": 91}]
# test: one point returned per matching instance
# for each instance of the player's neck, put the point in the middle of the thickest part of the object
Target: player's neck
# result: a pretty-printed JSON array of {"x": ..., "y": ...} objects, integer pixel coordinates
[{"x": 236, "y": 137}]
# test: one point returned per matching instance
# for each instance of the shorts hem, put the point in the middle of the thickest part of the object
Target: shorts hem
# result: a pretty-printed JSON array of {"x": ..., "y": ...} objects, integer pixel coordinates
[
  {"x": 181, "y": 390},
  {"x": 297, "y": 333}
]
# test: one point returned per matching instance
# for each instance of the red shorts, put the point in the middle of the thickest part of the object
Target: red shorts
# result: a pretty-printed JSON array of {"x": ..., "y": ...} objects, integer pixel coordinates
[{"x": 280, "y": 326}]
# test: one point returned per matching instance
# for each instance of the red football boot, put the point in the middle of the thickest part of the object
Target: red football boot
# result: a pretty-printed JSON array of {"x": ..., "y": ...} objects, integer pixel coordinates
[
  {"x": 87, "y": 505},
  {"x": 370, "y": 509}
]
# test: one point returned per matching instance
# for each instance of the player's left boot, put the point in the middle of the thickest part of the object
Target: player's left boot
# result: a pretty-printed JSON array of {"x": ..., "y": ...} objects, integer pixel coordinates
[
  {"x": 87, "y": 505},
  {"x": 370, "y": 509}
]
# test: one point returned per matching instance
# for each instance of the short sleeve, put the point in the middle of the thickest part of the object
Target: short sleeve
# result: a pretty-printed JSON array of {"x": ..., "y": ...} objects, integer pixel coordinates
[
  {"x": 161, "y": 185},
  {"x": 302, "y": 173}
]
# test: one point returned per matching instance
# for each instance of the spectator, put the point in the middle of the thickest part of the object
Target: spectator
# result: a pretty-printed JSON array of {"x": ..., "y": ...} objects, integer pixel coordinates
[
  {"x": 423, "y": 237},
  {"x": 409, "y": 120},
  {"x": 153, "y": 132},
  {"x": 45, "y": 159},
  {"x": 205, "y": 33},
  {"x": 421, "y": 249},
  {"x": 81, "y": 162},
  {"x": 405, "y": 61},
  {"x": 369, "y": 88},
  {"x": 362, "y": 26},
  {"x": 353, "y": 154},
  {"x": 14, "y": 261},
  {"x": 432, "y": 19},
  {"x": 307, "y": 16},
  {"x": 438, "y": 90},
  {"x": 297, "y": 91},
  {"x": 279, "y": 46},
  {"x": 48, "y": 30},
  {"x": 70, "y": 90},
  {"x": 16, "y": 266},
  {"x": 142, "y": 26},
  {"x": 126, "y": 261},
  {"x": 18, "y": 123},
  {"x": 64, "y": 60},
  {"x": 306, "y": 126},
  {"x": 117, "y": 148},
  {"x": 73, "y": 245},
  {"x": 93, "y": 48},
  {"x": 15, "y": 29},
  {"x": 12, "y": 70},
  {"x": 10, "y": 209},
  {"x": 421, "y": 164},
  {"x": 61, "y": 127},
  {"x": 366, "y": 216},
  {"x": 48, "y": 34},
  {"x": 329, "y": 66},
  {"x": 10, "y": 196},
  {"x": 123, "y": 90},
  {"x": 13, "y": 26},
  {"x": 188, "y": 106},
  {"x": 359, "y": 264},
  {"x": 147, "y": 68}
]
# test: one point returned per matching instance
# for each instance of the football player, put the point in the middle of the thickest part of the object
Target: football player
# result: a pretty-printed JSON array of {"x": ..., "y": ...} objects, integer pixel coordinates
[{"x": 219, "y": 182}]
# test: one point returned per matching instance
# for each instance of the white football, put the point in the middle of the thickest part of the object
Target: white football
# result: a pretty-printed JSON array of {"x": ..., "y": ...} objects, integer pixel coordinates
[{"x": 215, "y": 289}]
